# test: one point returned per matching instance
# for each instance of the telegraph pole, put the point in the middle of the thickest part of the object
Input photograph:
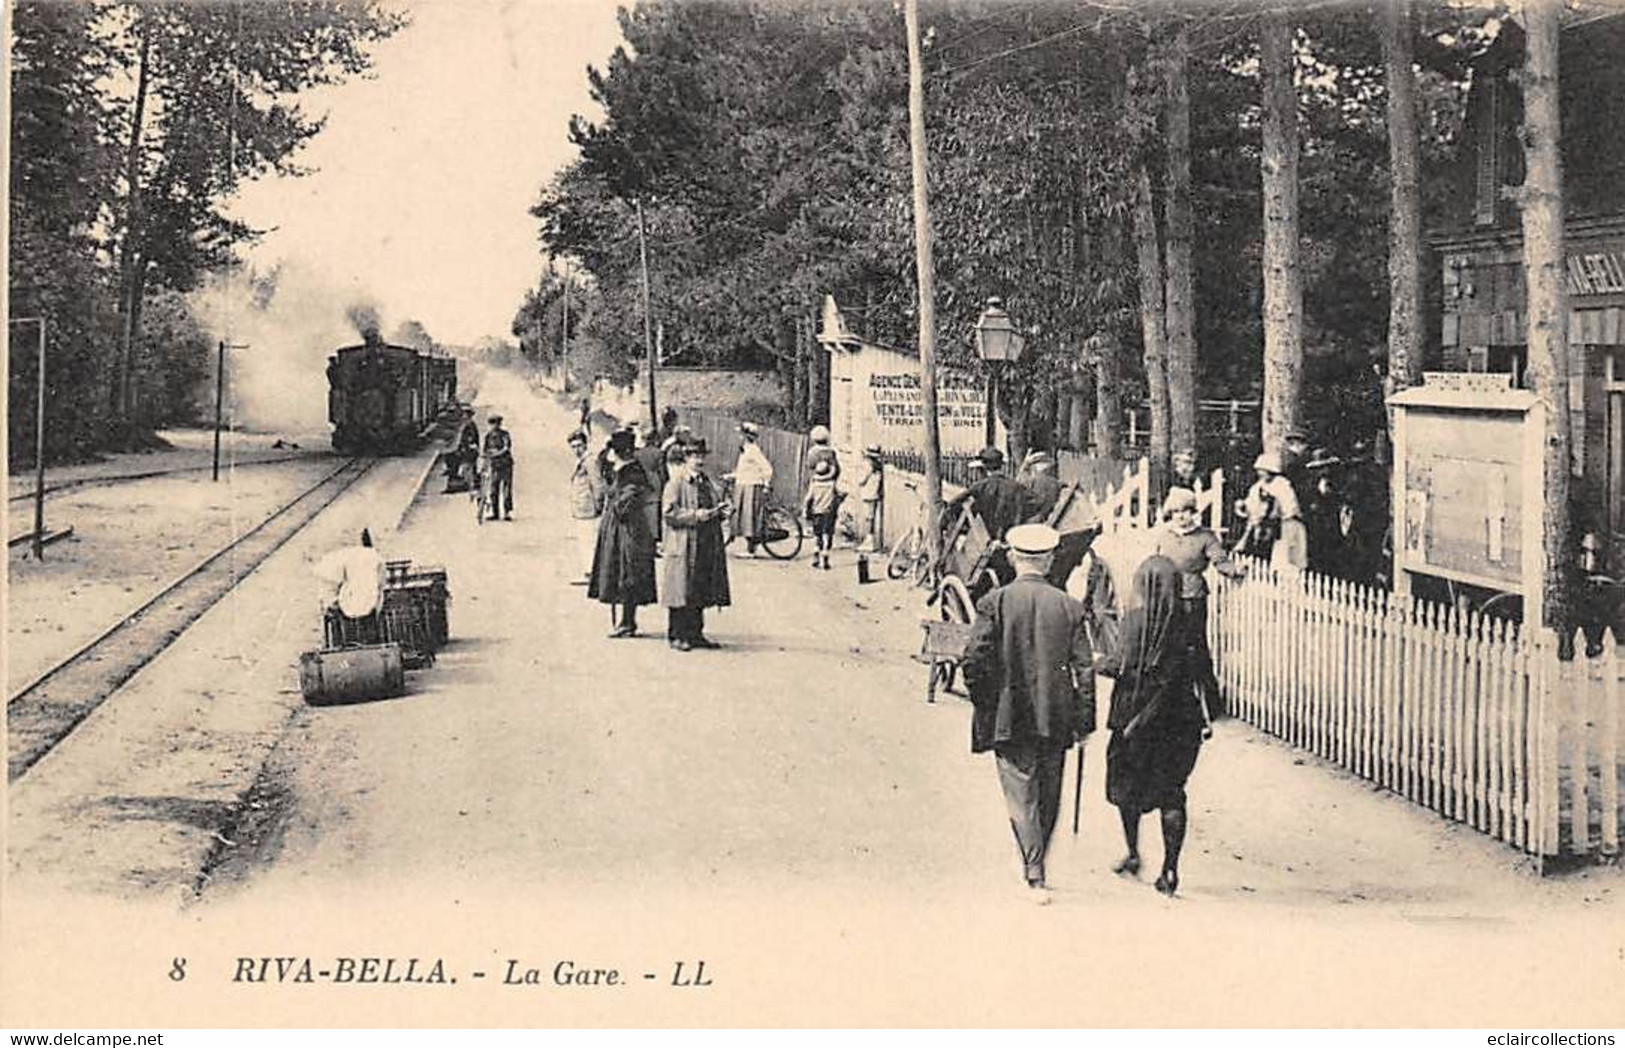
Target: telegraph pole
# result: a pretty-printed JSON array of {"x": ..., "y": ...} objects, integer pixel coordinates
[
  {"x": 648, "y": 325},
  {"x": 564, "y": 334},
  {"x": 38, "y": 546},
  {"x": 925, "y": 268},
  {"x": 220, "y": 399}
]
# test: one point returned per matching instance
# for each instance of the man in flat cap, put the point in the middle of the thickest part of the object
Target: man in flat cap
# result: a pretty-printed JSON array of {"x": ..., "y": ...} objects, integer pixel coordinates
[
  {"x": 1029, "y": 668},
  {"x": 1000, "y": 502},
  {"x": 499, "y": 453}
]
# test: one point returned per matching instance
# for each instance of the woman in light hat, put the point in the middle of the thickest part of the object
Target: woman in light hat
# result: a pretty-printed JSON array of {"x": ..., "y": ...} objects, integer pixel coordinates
[
  {"x": 1193, "y": 549},
  {"x": 752, "y": 477},
  {"x": 1274, "y": 520}
]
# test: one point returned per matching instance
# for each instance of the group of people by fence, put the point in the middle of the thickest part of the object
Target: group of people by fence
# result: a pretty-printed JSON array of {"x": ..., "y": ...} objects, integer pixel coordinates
[{"x": 1311, "y": 511}]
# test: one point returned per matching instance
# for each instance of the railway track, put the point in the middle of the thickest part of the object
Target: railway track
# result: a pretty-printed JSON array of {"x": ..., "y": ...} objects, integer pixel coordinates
[
  {"x": 47, "y": 710},
  {"x": 125, "y": 478}
]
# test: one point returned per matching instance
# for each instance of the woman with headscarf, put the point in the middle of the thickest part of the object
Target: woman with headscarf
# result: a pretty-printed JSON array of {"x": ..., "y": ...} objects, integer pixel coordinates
[
  {"x": 623, "y": 564},
  {"x": 1156, "y": 721}
]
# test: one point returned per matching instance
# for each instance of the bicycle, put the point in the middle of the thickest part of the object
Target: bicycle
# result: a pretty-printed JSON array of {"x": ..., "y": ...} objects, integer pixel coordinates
[
  {"x": 910, "y": 557},
  {"x": 479, "y": 492},
  {"x": 782, "y": 533}
]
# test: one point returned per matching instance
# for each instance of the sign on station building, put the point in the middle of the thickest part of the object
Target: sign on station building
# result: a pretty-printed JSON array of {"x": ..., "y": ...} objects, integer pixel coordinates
[
  {"x": 1468, "y": 485},
  {"x": 875, "y": 397}
]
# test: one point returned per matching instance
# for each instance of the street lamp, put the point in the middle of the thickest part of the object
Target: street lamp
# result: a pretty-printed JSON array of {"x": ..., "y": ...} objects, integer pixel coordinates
[
  {"x": 998, "y": 344},
  {"x": 219, "y": 398}
]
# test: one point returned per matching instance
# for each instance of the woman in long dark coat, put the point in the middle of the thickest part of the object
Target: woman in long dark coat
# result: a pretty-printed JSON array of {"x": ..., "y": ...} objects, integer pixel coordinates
[
  {"x": 1156, "y": 719},
  {"x": 623, "y": 564}
]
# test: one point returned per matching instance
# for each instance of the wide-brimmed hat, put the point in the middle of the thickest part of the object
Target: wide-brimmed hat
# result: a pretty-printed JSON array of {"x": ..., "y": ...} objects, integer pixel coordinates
[
  {"x": 1297, "y": 433},
  {"x": 1268, "y": 462},
  {"x": 749, "y": 429},
  {"x": 820, "y": 434},
  {"x": 1034, "y": 540},
  {"x": 697, "y": 446},
  {"x": 875, "y": 450},
  {"x": 576, "y": 437},
  {"x": 494, "y": 420},
  {"x": 1322, "y": 459},
  {"x": 991, "y": 457}
]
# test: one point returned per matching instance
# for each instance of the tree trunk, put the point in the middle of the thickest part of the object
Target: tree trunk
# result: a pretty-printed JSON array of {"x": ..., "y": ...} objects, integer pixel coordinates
[
  {"x": 1283, "y": 286},
  {"x": 1181, "y": 290},
  {"x": 818, "y": 378},
  {"x": 1405, "y": 208},
  {"x": 784, "y": 352},
  {"x": 129, "y": 246},
  {"x": 1543, "y": 266},
  {"x": 1077, "y": 419},
  {"x": 1108, "y": 396},
  {"x": 798, "y": 388},
  {"x": 1153, "y": 319}
]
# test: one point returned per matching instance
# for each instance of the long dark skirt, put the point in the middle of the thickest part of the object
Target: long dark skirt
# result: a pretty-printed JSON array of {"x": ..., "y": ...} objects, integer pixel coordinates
[
  {"x": 750, "y": 516},
  {"x": 1149, "y": 770}
]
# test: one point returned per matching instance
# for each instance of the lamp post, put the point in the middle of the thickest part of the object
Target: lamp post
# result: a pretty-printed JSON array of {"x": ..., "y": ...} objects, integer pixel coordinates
[
  {"x": 997, "y": 344},
  {"x": 39, "y": 441},
  {"x": 220, "y": 397}
]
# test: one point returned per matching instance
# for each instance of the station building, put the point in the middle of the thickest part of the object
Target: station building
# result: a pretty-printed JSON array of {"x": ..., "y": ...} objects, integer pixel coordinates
[{"x": 1479, "y": 245}]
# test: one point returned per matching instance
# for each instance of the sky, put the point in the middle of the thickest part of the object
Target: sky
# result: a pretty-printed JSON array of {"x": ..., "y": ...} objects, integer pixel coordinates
[{"x": 425, "y": 171}]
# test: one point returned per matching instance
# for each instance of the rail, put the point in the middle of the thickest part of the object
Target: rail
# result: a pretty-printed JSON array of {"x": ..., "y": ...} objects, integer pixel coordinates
[
  {"x": 125, "y": 478},
  {"x": 46, "y": 711}
]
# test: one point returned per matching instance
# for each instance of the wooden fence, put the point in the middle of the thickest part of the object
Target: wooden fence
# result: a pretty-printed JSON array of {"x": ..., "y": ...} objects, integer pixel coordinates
[
  {"x": 1462, "y": 714},
  {"x": 786, "y": 451}
]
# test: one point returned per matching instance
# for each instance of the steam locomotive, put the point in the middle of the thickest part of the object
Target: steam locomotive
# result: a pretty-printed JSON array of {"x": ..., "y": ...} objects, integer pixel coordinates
[{"x": 383, "y": 399}]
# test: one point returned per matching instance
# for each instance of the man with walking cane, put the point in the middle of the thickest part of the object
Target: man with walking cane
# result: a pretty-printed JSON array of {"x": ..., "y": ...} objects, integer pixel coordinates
[{"x": 1029, "y": 668}]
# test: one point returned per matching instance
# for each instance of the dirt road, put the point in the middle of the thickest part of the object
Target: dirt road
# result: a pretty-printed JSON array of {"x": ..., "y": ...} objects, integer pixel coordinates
[{"x": 790, "y": 808}]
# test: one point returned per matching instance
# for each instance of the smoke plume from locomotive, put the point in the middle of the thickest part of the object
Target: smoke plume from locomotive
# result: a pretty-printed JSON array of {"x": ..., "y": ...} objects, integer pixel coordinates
[
  {"x": 289, "y": 325},
  {"x": 364, "y": 318}
]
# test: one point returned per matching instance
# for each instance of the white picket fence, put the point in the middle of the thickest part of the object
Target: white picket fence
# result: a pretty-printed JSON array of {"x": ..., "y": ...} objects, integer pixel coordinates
[{"x": 1459, "y": 713}]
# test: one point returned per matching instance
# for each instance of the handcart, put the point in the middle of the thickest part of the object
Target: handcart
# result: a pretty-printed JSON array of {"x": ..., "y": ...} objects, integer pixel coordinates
[{"x": 966, "y": 572}]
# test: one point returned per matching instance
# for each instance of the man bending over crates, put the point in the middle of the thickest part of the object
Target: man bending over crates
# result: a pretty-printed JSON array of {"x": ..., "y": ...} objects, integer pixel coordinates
[{"x": 352, "y": 592}]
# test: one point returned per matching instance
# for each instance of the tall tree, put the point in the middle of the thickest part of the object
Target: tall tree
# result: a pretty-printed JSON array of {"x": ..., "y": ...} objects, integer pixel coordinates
[
  {"x": 62, "y": 174},
  {"x": 1181, "y": 284},
  {"x": 1153, "y": 314},
  {"x": 1283, "y": 288},
  {"x": 1548, "y": 307},
  {"x": 214, "y": 105},
  {"x": 1405, "y": 202}
]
